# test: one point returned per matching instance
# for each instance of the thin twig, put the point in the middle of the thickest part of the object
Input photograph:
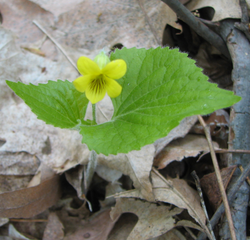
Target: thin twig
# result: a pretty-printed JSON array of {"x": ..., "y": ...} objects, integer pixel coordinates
[
  {"x": 221, "y": 150},
  {"x": 201, "y": 29},
  {"x": 214, "y": 220},
  {"x": 56, "y": 43},
  {"x": 219, "y": 178},
  {"x": 198, "y": 186},
  {"x": 242, "y": 170},
  {"x": 27, "y": 220}
]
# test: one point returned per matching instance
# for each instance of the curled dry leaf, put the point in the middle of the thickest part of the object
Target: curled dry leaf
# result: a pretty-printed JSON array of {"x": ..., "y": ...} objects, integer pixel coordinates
[
  {"x": 189, "y": 146},
  {"x": 28, "y": 202},
  {"x": 153, "y": 220}
]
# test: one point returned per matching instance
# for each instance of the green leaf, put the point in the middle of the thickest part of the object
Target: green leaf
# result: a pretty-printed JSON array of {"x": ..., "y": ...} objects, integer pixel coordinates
[
  {"x": 57, "y": 103},
  {"x": 160, "y": 88}
]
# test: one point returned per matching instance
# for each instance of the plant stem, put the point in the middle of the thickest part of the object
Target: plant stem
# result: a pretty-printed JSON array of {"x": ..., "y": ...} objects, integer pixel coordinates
[{"x": 94, "y": 113}]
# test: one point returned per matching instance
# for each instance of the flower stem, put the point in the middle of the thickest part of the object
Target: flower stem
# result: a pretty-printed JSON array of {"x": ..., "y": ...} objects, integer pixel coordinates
[{"x": 94, "y": 113}]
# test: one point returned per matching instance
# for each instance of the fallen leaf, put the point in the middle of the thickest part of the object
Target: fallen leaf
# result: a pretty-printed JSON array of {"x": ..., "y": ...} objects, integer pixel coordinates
[
  {"x": 75, "y": 177},
  {"x": 136, "y": 164},
  {"x": 153, "y": 220},
  {"x": 110, "y": 175},
  {"x": 19, "y": 162},
  {"x": 57, "y": 7},
  {"x": 189, "y": 146},
  {"x": 111, "y": 189},
  {"x": 223, "y": 9},
  {"x": 180, "y": 131},
  {"x": 3, "y": 221},
  {"x": 18, "y": 16},
  {"x": 176, "y": 192},
  {"x": 22, "y": 131},
  {"x": 54, "y": 228},
  {"x": 96, "y": 228},
  {"x": 139, "y": 23},
  {"x": 123, "y": 226},
  {"x": 186, "y": 223},
  {"x": 28, "y": 202},
  {"x": 14, "y": 234},
  {"x": 173, "y": 234},
  {"x": 209, "y": 184}
]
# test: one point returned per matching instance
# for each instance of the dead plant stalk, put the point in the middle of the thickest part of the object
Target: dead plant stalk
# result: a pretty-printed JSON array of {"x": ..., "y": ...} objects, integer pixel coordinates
[{"x": 219, "y": 179}]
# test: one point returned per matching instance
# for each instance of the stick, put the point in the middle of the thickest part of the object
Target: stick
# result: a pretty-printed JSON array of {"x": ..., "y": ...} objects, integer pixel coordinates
[
  {"x": 201, "y": 29},
  {"x": 198, "y": 186},
  {"x": 214, "y": 220},
  {"x": 56, "y": 43},
  {"x": 219, "y": 179}
]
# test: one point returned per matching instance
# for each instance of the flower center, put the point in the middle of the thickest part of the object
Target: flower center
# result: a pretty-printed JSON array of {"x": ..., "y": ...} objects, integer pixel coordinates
[{"x": 98, "y": 84}]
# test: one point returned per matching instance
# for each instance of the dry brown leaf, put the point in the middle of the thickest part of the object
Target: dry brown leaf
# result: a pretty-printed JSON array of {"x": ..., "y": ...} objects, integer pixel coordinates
[
  {"x": 57, "y": 7},
  {"x": 136, "y": 164},
  {"x": 96, "y": 228},
  {"x": 209, "y": 184},
  {"x": 75, "y": 177},
  {"x": 88, "y": 24},
  {"x": 123, "y": 226},
  {"x": 18, "y": 16},
  {"x": 91, "y": 25},
  {"x": 28, "y": 202},
  {"x": 180, "y": 131},
  {"x": 21, "y": 130},
  {"x": 3, "y": 221},
  {"x": 186, "y": 223},
  {"x": 111, "y": 189},
  {"x": 223, "y": 8},
  {"x": 189, "y": 146},
  {"x": 110, "y": 175},
  {"x": 176, "y": 192},
  {"x": 173, "y": 234},
  {"x": 54, "y": 228},
  {"x": 153, "y": 220}
]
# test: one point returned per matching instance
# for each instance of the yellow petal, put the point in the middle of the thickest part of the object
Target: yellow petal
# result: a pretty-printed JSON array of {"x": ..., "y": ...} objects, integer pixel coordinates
[
  {"x": 87, "y": 66},
  {"x": 115, "y": 69},
  {"x": 113, "y": 88},
  {"x": 82, "y": 83},
  {"x": 95, "y": 96}
]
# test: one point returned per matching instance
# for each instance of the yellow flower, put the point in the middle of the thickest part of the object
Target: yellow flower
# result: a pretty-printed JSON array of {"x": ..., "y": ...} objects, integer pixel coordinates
[{"x": 98, "y": 77}]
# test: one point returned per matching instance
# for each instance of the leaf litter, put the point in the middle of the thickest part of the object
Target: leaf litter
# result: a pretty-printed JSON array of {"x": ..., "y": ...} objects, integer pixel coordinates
[{"x": 124, "y": 182}]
